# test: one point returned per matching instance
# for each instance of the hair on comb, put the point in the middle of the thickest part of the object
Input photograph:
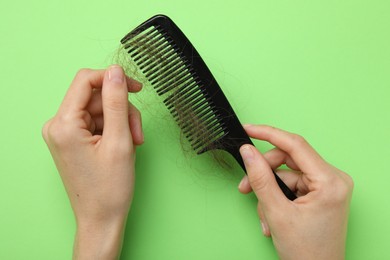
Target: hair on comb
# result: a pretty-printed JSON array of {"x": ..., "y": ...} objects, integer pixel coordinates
[{"x": 177, "y": 72}]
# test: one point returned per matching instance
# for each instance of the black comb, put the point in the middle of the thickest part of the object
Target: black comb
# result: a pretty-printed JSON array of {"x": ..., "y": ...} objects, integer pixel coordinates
[{"x": 176, "y": 71}]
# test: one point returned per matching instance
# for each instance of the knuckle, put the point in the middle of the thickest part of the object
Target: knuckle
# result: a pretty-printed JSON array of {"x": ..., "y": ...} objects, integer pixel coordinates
[
  {"x": 298, "y": 143},
  {"x": 341, "y": 189},
  {"x": 58, "y": 134},
  {"x": 298, "y": 140},
  {"x": 349, "y": 181},
  {"x": 118, "y": 151},
  {"x": 346, "y": 180},
  {"x": 82, "y": 73},
  {"x": 45, "y": 129}
]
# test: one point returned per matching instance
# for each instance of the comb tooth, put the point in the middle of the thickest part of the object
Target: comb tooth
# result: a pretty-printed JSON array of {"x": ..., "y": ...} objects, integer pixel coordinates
[
  {"x": 201, "y": 111},
  {"x": 203, "y": 137},
  {"x": 207, "y": 127},
  {"x": 205, "y": 116},
  {"x": 184, "y": 79},
  {"x": 194, "y": 132},
  {"x": 195, "y": 106},
  {"x": 139, "y": 44},
  {"x": 133, "y": 35},
  {"x": 164, "y": 64},
  {"x": 202, "y": 114},
  {"x": 191, "y": 118},
  {"x": 208, "y": 121},
  {"x": 168, "y": 80},
  {"x": 187, "y": 123},
  {"x": 184, "y": 109},
  {"x": 200, "y": 140},
  {"x": 164, "y": 45},
  {"x": 186, "y": 97},
  {"x": 140, "y": 54},
  {"x": 167, "y": 72},
  {"x": 154, "y": 60},
  {"x": 149, "y": 48},
  {"x": 211, "y": 120},
  {"x": 129, "y": 39},
  {"x": 153, "y": 57},
  {"x": 216, "y": 136},
  {"x": 151, "y": 53},
  {"x": 158, "y": 49},
  {"x": 160, "y": 84},
  {"x": 168, "y": 54},
  {"x": 181, "y": 90},
  {"x": 169, "y": 88},
  {"x": 204, "y": 104},
  {"x": 207, "y": 101},
  {"x": 207, "y": 146},
  {"x": 133, "y": 44},
  {"x": 180, "y": 98}
]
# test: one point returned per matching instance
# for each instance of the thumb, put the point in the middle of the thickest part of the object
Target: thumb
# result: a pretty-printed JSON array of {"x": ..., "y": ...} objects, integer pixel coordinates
[
  {"x": 261, "y": 178},
  {"x": 115, "y": 105}
]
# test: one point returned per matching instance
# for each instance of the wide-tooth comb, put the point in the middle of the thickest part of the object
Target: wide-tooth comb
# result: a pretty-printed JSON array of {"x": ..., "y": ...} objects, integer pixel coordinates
[{"x": 176, "y": 71}]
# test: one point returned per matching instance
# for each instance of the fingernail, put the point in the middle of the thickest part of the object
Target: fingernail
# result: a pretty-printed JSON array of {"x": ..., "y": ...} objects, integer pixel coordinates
[
  {"x": 242, "y": 182},
  {"x": 115, "y": 74},
  {"x": 247, "y": 125},
  {"x": 139, "y": 84},
  {"x": 246, "y": 152}
]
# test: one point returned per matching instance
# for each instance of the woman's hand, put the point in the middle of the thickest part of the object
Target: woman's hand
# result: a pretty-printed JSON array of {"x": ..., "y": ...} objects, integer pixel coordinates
[
  {"x": 314, "y": 225},
  {"x": 92, "y": 139}
]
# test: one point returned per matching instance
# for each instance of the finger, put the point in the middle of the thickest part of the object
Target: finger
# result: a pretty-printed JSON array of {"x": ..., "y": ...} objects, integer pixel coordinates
[
  {"x": 95, "y": 104},
  {"x": 275, "y": 159},
  {"x": 290, "y": 178},
  {"x": 81, "y": 89},
  {"x": 115, "y": 106},
  {"x": 244, "y": 187},
  {"x": 295, "y": 181},
  {"x": 133, "y": 85},
  {"x": 303, "y": 155},
  {"x": 135, "y": 123},
  {"x": 261, "y": 178}
]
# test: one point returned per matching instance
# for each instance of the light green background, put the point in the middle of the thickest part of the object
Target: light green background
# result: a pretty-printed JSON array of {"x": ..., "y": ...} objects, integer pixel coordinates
[{"x": 318, "y": 68}]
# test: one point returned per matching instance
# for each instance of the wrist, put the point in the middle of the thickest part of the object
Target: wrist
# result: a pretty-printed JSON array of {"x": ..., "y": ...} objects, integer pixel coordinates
[{"x": 99, "y": 239}]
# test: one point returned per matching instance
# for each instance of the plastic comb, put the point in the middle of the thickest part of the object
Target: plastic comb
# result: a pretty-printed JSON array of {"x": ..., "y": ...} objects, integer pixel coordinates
[{"x": 178, "y": 73}]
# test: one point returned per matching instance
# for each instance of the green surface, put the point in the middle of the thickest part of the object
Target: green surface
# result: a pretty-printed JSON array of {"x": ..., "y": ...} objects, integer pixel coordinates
[{"x": 318, "y": 68}]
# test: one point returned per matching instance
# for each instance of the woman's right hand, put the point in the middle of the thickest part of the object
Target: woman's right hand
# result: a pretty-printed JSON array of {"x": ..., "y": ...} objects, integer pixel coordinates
[
  {"x": 314, "y": 225},
  {"x": 93, "y": 139}
]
